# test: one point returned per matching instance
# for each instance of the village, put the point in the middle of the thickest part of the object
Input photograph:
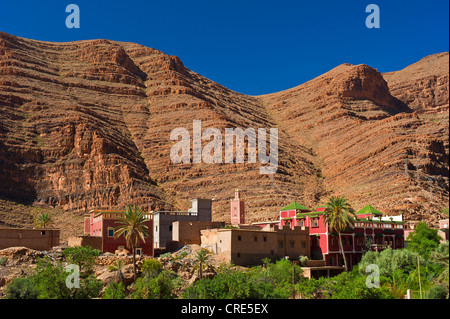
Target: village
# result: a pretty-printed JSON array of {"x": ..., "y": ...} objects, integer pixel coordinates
[{"x": 301, "y": 235}]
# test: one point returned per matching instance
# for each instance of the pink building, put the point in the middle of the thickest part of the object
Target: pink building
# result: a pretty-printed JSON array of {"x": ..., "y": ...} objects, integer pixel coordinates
[
  {"x": 369, "y": 232},
  {"x": 237, "y": 209},
  {"x": 102, "y": 223}
]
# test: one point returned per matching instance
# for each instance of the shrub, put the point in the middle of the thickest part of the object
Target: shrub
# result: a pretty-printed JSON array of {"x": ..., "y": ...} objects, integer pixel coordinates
[
  {"x": 303, "y": 260},
  {"x": 21, "y": 288},
  {"x": 114, "y": 291},
  {"x": 151, "y": 267},
  {"x": 3, "y": 261},
  {"x": 160, "y": 287},
  {"x": 437, "y": 292},
  {"x": 48, "y": 281}
]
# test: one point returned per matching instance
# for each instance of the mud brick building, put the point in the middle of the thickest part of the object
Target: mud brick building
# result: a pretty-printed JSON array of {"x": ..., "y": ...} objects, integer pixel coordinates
[
  {"x": 249, "y": 246},
  {"x": 38, "y": 239},
  {"x": 162, "y": 222},
  {"x": 188, "y": 232}
]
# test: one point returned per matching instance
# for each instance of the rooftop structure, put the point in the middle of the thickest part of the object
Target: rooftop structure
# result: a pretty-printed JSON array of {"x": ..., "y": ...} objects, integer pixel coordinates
[{"x": 162, "y": 220}]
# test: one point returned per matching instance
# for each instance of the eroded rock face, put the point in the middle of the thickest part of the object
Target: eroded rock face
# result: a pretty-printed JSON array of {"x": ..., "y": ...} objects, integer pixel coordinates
[{"x": 87, "y": 124}]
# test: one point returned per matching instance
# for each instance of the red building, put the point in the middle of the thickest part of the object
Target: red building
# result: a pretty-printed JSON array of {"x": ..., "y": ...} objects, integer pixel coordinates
[
  {"x": 102, "y": 223},
  {"x": 370, "y": 231}
]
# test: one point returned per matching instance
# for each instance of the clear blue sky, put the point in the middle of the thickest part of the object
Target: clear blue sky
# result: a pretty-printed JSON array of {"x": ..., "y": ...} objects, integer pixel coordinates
[{"x": 253, "y": 47}]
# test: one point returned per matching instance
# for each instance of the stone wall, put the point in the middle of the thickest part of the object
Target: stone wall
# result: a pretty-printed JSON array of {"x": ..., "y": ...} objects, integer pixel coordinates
[
  {"x": 188, "y": 232},
  {"x": 94, "y": 242}
]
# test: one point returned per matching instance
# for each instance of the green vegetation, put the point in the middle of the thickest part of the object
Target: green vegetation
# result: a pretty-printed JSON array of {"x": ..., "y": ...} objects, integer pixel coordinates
[
  {"x": 43, "y": 220},
  {"x": 201, "y": 260},
  {"x": 423, "y": 240},
  {"x": 338, "y": 216},
  {"x": 48, "y": 281},
  {"x": 273, "y": 281},
  {"x": 83, "y": 257}
]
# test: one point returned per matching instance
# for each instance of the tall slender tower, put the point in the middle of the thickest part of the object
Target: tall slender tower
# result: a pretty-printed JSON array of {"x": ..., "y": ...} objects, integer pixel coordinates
[{"x": 237, "y": 209}]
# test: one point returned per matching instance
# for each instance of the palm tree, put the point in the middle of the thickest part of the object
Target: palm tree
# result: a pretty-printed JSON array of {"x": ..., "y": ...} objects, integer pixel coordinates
[
  {"x": 43, "y": 219},
  {"x": 338, "y": 216},
  {"x": 132, "y": 226},
  {"x": 118, "y": 266},
  {"x": 201, "y": 258}
]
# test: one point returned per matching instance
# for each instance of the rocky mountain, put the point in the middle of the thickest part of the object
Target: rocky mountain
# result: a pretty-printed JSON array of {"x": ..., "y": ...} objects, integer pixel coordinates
[{"x": 87, "y": 124}]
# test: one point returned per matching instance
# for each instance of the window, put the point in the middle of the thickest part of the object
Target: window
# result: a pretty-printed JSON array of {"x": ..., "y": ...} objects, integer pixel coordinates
[
  {"x": 350, "y": 241},
  {"x": 43, "y": 232},
  {"x": 156, "y": 228},
  {"x": 239, "y": 238},
  {"x": 238, "y": 255},
  {"x": 331, "y": 261},
  {"x": 138, "y": 251},
  {"x": 315, "y": 222},
  {"x": 265, "y": 238},
  {"x": 110, "y": 232},
  {"x": 280, "y": 244},
  {"x": 291, "y": 244},
  {"x": 301, "y": 222},
  {"x": 170, "y": 228},
  {"x": 333, "y": 241},
  {"x": 303, "y": 244},
  {"x": 255, "y": 238}
]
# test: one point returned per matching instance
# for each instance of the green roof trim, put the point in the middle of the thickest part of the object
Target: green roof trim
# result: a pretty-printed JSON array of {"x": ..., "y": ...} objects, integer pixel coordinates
[
  {"x": 311, "y": 214},
  {"x": 369, "y": 210},
  {"x": 294, "y": 205}
]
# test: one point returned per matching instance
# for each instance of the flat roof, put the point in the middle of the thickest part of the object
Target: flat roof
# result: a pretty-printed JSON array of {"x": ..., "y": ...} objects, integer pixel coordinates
[{"x": 18, "y": 228}]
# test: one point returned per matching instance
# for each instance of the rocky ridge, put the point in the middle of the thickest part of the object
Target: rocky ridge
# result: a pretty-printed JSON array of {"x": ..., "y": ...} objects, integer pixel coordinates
[{"x": 86, "y": 125}]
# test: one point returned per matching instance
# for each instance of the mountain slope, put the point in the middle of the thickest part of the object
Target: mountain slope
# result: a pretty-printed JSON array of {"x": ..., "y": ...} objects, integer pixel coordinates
[{"x": 87, "y": 124}]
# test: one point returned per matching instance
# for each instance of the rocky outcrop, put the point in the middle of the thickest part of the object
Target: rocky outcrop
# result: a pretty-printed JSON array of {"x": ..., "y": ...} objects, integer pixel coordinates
[{"x": 87, "y": 125}]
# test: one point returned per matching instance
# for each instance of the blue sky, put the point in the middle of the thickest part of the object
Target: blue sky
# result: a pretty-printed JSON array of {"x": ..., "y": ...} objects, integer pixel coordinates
[{"x": 253, "y": 47}]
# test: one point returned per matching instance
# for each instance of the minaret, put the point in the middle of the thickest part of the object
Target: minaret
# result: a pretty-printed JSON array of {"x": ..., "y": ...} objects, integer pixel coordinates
[{"x": 237, "y": 209}]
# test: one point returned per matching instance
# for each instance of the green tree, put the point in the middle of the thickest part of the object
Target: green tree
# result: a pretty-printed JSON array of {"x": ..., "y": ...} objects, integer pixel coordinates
[
  {"x": 132, "y": 226},
  {"x": 201, "y": 260},
  {"x": 83, "y": 256},
  {"x": 423, "y": 240},
  {"x": 338, "y": 216},
  {"x": 43, "y": 220},
  {"x": 118, "y": 266}
]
